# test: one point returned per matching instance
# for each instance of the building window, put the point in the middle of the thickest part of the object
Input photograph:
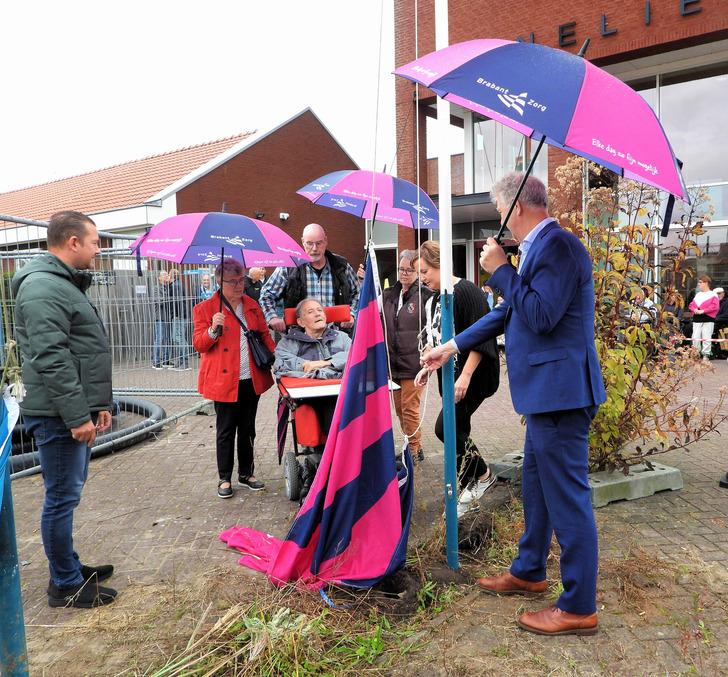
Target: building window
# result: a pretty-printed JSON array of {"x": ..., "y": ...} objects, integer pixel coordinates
[
  {"x": 498, "y": 149},
  {"x": 691, "y": 105}
]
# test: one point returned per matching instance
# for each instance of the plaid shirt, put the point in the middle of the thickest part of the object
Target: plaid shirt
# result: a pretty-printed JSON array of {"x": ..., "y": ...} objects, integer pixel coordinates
[{"x": 321, "y": 288}]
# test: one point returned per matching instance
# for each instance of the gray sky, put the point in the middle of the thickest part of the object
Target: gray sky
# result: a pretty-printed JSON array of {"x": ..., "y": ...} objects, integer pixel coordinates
[{"x": 87, "y": 85}]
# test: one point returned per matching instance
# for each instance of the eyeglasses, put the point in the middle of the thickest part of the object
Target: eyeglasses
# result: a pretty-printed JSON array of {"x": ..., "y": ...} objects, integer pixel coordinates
[
  {"x": 235, "y": 283},
  {"x": 311, "y": 245},
  {"x": 406, "y": 271}
]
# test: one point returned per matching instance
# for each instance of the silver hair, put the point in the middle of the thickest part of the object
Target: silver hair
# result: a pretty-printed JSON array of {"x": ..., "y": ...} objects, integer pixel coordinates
[
  {"x": 407, "y": 254},
  {"x": 533, "y": 194},
  {"x": 308, "y": 299}
]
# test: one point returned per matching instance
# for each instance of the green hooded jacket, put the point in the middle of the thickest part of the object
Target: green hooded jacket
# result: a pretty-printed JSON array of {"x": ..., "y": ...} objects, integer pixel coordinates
[{"x": 64, "y": 349}]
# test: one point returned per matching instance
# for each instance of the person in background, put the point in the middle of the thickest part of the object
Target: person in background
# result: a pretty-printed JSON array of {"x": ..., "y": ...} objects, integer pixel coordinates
[
  {"x": 162, "y": 327},
  {"x": 66, "y": 363},
  {"x": 704, "y": 308},
  {"x": 228, "y": 374},
  {"x": 556, "y": 383},
  {"x": 489, "y": 296},
  {"x": 403, "y": 308},
  {"x": 254, "y": 282},
  {"x": 204, "y": 291},
  {"x": 328, "y": 278},
  {"x": 477, "y": 371},
  {"x": 179, "y": 316},
  {"x": 719, "y": 324},
  {"x": 644, "y": 309}
]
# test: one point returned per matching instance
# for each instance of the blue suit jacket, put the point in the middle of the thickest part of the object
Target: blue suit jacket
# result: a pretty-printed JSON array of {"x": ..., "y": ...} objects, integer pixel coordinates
[{"x": 548, "y": 320}]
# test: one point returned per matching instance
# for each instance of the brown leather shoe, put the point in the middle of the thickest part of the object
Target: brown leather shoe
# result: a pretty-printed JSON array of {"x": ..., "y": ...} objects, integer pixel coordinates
[
  {"x": 554, "y": 621},
  {"x": 507, "y": 584}
]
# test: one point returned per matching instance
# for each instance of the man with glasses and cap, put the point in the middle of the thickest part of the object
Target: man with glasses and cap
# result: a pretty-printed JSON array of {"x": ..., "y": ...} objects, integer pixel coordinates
[{"x": 328, "y": 278}]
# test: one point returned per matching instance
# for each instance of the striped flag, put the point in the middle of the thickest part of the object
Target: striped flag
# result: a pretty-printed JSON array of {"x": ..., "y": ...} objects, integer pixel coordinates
[{"x": 354, "y": 524}]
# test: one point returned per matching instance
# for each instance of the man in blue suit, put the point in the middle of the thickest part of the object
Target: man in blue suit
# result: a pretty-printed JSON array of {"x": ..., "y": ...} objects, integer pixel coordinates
[{"x": 556, "y": 382}]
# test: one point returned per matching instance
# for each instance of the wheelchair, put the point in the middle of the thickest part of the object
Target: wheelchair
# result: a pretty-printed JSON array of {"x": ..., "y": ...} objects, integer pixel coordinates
[{"x": 296, "y": 405}]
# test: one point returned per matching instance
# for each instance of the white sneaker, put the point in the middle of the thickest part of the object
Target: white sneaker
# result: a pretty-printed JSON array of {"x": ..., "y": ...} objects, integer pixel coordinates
[
  {"x": 474, "y": 492},
  {"x": 481, "y": 486}
]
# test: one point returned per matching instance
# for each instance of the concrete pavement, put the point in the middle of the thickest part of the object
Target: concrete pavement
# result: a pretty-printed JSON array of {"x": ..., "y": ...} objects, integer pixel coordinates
[{"x": 152, "y": 511}]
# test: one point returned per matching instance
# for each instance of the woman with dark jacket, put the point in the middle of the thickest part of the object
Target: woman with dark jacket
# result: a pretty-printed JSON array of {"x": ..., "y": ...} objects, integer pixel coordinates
[
  {"x": 477, "y": 372},
  {"x": 403, "y": 307},
  {"x": 228, "y": 374}
]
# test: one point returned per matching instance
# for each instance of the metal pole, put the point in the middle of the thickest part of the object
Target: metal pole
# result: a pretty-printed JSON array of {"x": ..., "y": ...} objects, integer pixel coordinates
[
  {"x": 448, "y": 370},
  {"x": 13, "y": 649}
]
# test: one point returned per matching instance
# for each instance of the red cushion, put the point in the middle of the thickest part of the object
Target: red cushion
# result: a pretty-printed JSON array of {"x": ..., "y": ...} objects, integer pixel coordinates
[
  {"x": 308, "y": 428},
  {"x": 333, "y": 314}
]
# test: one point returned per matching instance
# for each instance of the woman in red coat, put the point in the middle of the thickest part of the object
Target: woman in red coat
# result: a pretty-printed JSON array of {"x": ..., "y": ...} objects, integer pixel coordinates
[{"x": 228, "y": 374}]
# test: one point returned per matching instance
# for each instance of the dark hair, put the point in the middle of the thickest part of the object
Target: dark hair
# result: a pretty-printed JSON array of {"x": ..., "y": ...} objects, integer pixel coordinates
[{"x": 64, "y": 225}]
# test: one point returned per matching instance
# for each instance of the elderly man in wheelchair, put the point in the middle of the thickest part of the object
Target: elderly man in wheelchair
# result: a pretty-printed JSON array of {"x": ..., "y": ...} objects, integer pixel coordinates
[{"x": 314, "y": 350}]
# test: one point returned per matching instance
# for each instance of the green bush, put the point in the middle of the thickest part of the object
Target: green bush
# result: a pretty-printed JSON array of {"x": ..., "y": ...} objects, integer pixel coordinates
[{"x": 645, "y": 366}]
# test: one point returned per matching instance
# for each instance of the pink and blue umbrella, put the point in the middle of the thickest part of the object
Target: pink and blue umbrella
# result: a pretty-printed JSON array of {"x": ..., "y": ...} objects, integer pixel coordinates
[
  {"x": 557, "y": 98},
  {"x": 204, "y": 238},
  {"x": 374, "y": 195}
]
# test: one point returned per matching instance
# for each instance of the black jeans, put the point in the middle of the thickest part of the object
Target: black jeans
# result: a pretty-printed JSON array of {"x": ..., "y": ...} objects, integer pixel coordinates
[
  {"x": 237, "y": 419},
  {"x": 470, "y": 464}
]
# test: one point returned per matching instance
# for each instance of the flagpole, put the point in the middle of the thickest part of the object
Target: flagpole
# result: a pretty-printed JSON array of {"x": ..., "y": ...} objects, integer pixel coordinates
[{"x": 442, "y": 40}]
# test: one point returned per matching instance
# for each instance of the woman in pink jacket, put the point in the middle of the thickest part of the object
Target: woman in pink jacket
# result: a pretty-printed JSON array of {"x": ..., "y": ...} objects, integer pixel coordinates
[
  {"x": 228, "y": 374},
  {"x": 704, "y": 308}
]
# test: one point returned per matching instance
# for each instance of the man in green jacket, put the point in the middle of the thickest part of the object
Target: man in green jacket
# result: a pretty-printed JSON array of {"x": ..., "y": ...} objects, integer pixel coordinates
[{"x": 67, "y": 374}]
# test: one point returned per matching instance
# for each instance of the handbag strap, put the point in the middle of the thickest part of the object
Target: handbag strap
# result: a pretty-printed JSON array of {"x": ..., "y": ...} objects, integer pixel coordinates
[{"x": 244, "y": 327}]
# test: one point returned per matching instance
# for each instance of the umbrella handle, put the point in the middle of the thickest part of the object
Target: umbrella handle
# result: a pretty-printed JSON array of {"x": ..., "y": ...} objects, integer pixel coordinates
[
  {"x": 218, "y": 331},
  {"x": 518, "y": 192}
]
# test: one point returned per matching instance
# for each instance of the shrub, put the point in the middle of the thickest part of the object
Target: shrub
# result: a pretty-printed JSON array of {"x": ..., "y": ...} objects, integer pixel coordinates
[{"x": 644, "y": 360}]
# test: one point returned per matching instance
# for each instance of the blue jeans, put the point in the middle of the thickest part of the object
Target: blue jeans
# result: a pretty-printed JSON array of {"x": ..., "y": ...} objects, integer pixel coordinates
[
  {"x": 179, "y": 339},
  {"x": 161, "y": 343},
  {"x": 64, "y": 462}
]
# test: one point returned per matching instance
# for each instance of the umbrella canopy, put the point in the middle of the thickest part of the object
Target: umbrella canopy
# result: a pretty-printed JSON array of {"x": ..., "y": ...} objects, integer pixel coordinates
[
  {"x": 203, "y": 238},
  {"x": 374, "y": 195},
  {"x": 561, "y": 98}
]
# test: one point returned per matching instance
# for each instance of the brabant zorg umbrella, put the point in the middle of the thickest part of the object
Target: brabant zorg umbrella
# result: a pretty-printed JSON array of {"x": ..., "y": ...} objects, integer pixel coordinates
[
  {"x": 557, "y": 98},
  {"x": 204, "y": 238},
  {"x": 374, "y": 195}
]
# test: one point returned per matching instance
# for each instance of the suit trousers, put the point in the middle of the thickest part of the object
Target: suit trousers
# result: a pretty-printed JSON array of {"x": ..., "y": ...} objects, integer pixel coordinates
[
  {"x": 557, "y": 500},
  {"x": 237, "y": 419},
  {"x": 407, "y": 406}
]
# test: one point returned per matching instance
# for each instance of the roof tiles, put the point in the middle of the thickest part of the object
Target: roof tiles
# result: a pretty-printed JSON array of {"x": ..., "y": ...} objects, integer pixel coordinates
[{"x": 124, "y": 185}]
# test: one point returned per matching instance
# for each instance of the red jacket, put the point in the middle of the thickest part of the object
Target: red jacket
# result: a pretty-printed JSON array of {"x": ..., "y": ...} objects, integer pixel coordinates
[{"x": 220, "y": 359}]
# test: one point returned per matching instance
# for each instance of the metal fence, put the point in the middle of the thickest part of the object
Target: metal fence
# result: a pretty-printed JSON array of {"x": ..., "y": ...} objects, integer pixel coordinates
[{"x": 123, "y": 290}]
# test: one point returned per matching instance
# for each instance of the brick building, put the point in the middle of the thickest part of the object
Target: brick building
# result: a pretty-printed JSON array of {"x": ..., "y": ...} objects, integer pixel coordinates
[
  {"x": 674, "y": 52},
  {"x": 248, "y": 173}
]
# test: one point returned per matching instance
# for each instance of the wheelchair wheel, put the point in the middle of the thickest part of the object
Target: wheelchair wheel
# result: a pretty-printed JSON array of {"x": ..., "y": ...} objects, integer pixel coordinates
[{"x": 292, "y": 476}]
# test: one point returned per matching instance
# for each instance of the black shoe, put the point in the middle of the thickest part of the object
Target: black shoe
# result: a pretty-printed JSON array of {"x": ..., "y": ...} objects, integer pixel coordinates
[
  {"x": 225, "y": 492},
  {"x": 253, "y": 485},
  {"x": 102, "y": 573},
  {"x": 86, "y": 595},
  {"x": 157, "y": 366},
  {"x": 420, "y": 455}
]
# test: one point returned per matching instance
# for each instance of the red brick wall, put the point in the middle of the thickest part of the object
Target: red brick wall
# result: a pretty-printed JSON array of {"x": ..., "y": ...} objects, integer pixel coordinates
[
  {"x": 266, "y": 176},
  {"x": 473, "y": 19},
  {"x": 457, "y": 175}
]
